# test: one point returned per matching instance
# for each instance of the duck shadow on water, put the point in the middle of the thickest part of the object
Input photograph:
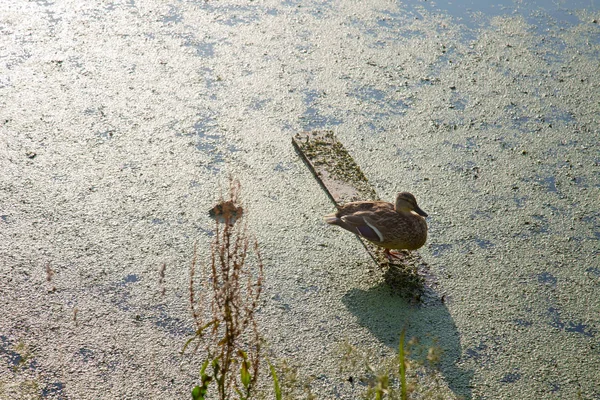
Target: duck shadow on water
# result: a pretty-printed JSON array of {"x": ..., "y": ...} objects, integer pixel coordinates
[{"x": 385, "y": 313}]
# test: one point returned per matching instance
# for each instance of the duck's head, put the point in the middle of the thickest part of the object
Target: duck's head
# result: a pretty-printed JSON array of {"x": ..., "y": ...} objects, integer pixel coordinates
[{"x": 406, "y": 202}]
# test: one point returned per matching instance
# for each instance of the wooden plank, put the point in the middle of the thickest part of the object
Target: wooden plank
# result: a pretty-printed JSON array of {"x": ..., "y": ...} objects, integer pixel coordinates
[{"x": 343, "y": 181}]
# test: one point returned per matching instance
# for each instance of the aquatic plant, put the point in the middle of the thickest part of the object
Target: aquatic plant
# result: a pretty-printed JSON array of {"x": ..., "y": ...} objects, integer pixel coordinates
[{"x": 224, "y": 294}]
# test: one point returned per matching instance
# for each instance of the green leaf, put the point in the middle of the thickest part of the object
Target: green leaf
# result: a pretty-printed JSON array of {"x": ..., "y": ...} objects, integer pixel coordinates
[
  {"x": 402, "y": 366},
  {"x": 203, "y": 369},
  {"x": 199, "y": 333},
  {"x": 245, "y": 374},
  {"x": 243, "y": 354},
  {"x": 239, "y": 393},
  {"x": 275, "y": 382},
  {"x": 245, "y": 369},
  {"x": 197, "y": 393},
  {"x": 215, "y": 365}
]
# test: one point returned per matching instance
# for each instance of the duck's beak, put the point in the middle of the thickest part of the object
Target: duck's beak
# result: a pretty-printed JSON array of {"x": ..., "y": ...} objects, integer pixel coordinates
[{"x": 420, "y": 212}]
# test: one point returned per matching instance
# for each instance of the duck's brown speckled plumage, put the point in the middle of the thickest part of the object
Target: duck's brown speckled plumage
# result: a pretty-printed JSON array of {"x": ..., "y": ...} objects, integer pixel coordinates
[{"x": 399, "y": 226}]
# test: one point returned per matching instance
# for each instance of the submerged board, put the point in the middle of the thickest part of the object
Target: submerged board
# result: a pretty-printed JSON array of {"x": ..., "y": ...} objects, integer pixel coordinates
[{"x": 343, "y": 181}]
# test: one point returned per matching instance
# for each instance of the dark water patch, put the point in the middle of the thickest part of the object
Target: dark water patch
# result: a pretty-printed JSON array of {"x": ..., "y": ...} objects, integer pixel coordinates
[
  {"x": 478, "y": 214},
  {"x": 119, "y": 293},
  {"x": 106, "y": 134},
  {"x": 16, "y": 355},
  {"x": 557, "y": 322},
  {"x": 523, "y": 322},
  {"x": 520, "y": 202},
  {"x": 281, "y": 303},
  {"x": 540, "y": 224},
  {"x": 504, "y": 142},
  {"x": 6, "y": 81},
  {"x": 115, "y": 4},
  {"x": 523, "y": 124},
  {"x": 549, "y": 22},
  {"x": 558, "y": 115},
  {"x": 48, "y": 9},
  {"x": 316, "y": 9},
  {"x": 120, "y": 296},
  {"x": 86, "y": 354},
  {"x": 312, "y": 118},
  {"x": 203, "y": 49},
  {"x": 594, "y": 220},
  {"x": 390, "y": 27},
  {"x": 4, "y": 218},
  {"x": 437, "y": 250},
  {"x": 211, "y": 81},
  {"x": 207, "y": 232},
  {"x": 209, "y": 142},
  {"x": 549, "y": 48},
  {"x": 172, "y": 325},
  {"x": 579, "y": 181},
  {"x": 547, "y": 278},
  {"x": 476, "y": 352},
  {"x": 404, "y": 154},
  {"x": 484, "y": 243},
  {"x": 283, "y": 166},
  {"x": 258, "y": 104},
  {"x": 554, "y": 387},
  {"x": 475, "y": 14},
  {"x": 566, "y": 17},
  {"x": 54, "y": 389},
  {"x": 378, "y": 44},
  {"x": 94, "y": 111},
  {"x": 173, "y": 16},
  {"x": 459, "y": 103},
  {"x": 467, "y": 169},
  {"x": 13, "y": 357},
  {"x": 310, "y": 289},
  {"x": 233, "y": 14},
  {"x": 450, "y": 124},
  {"x": 471, "y": 143},
  {"x": 511, "y": 377},
  {"x": 548, "y": 183},
  {"x": 484, "y": 352},
  {"x": 369, "y": 94},
  {"x": 371, "y": 127},
  {"x": 579, "y": 328},
  {"x": 304, "y": 48},
  {"x": 521, "y": 121},
  {"x": 131, "y": 278},
  {"x": 238, "y": 19},
  {"x": 594, "y": 271},
  {"x": 391, "y": 21}
]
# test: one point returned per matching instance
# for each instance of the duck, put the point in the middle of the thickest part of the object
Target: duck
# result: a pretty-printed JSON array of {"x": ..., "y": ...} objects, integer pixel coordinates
[{"x": 399, "y": 226}]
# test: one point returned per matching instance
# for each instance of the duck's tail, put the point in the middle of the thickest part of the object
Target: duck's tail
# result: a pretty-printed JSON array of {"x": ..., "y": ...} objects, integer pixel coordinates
[{"x": 331, "y": 219}]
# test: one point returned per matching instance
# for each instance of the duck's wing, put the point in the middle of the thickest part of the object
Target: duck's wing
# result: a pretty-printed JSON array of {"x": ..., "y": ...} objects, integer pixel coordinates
[
  {"x": 363, "y": 223},
  {"x": 364, "y": 206}
]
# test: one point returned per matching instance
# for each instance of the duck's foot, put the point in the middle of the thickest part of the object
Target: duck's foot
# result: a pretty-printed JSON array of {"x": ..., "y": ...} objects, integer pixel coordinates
[{"x": 395, "y": 255}]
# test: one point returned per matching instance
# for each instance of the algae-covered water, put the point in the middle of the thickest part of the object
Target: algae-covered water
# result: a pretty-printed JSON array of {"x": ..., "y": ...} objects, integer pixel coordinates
[{"x": 120, "y": 122}]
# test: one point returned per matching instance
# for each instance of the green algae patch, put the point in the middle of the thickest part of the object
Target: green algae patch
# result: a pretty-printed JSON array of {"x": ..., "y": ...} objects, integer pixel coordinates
[{"x": 332, "y": 165}]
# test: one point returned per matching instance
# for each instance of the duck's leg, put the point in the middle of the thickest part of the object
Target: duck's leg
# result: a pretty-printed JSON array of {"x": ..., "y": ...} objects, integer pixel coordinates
[{"x": 396, "y": 255}]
